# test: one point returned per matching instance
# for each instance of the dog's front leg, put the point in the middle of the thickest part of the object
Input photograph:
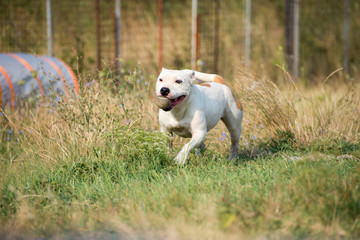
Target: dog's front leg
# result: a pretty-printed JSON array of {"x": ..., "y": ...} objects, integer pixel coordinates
[{"x": 196, "y": 139}]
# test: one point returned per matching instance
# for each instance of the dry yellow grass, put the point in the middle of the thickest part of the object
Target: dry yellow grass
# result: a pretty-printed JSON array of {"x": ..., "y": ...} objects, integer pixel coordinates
[{"x": 323, "y": 112}]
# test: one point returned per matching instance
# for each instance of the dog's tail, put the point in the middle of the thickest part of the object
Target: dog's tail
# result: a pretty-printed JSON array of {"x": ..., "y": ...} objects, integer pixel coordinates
[{"x": 206, "y": 77}]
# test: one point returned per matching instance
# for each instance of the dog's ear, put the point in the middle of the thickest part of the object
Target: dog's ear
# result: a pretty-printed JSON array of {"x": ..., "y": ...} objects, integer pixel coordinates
[{"x": 192, "y": 76}]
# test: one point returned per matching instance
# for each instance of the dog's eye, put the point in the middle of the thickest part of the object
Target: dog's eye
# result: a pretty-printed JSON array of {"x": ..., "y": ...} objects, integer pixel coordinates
[
  {"x": 160, "y": 80},
  {"x": 178, "y": 81}
]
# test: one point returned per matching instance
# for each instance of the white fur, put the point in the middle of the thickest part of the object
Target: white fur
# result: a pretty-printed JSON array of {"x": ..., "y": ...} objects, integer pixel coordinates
[{"x": 200, "y": 111}]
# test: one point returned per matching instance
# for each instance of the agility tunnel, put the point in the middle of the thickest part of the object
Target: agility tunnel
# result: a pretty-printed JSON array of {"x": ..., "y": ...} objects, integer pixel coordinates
[{"x": 26, "y": 75}]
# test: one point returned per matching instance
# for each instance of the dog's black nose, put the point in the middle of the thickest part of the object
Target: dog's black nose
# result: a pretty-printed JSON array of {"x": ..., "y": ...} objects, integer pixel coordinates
[{"x": 164, "y": 91}]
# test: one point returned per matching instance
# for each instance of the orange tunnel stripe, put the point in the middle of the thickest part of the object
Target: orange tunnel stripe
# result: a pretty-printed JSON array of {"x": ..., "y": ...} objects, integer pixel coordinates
[
  {"x": 28, "y": 66},
  {"x": 0, "y": 95},
  {"x": 73, "y": 76},
  {"x": 2, "y": 70},
  {"x": 58, "y": 70}
]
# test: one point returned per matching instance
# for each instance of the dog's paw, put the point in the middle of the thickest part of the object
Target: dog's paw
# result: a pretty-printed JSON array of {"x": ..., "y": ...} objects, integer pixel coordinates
[{"x": 180, "y": 159}]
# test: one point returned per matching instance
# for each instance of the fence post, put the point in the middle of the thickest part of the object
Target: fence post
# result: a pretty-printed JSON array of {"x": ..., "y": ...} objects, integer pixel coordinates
[
  {"x": 160, "y": 33},
  {"x": 289, "y": 23},
  {"x": 98, "y": 43},
  {"x": 346, "y": 37},
  {"x": 296, "y": 38},
  {"x": 49, "y": 26},
  {"x": 216, "y": 36},
  {"x": 247, "y": 33},
  {"x": 118, "y": 32},
  {"x": 292, "y": 36},
  {"x": 194, "y": 30}
]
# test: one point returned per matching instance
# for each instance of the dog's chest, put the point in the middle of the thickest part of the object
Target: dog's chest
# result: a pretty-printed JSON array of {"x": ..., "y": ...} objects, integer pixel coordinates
[{"x": 180, "y": 128}]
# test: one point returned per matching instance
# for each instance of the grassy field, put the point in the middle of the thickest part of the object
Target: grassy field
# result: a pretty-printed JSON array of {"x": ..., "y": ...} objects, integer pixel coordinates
[{"x": 96, "y": 167}]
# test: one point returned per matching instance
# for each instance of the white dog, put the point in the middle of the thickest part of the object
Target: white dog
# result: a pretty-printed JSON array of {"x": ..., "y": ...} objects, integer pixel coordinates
[{"x": 196, "y": 109}]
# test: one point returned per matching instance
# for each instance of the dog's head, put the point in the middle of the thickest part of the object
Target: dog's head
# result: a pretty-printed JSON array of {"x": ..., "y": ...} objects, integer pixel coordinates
[{"x": 174, "y": 85}]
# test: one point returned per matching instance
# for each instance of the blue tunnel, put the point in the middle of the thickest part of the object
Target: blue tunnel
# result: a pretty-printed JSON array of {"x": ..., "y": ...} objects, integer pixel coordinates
[{"x": 25, "y": 75}]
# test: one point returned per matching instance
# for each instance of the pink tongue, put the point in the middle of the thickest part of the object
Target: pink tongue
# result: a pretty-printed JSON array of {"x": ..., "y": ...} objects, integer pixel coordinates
[{"x": 177, "y": 101}]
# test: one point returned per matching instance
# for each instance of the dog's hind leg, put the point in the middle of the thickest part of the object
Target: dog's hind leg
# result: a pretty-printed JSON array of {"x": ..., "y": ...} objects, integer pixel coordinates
[
  {"x": 232, "y": 119},
  {"x": 201, "y": 149},
  {"x": 234, "y": 148}
]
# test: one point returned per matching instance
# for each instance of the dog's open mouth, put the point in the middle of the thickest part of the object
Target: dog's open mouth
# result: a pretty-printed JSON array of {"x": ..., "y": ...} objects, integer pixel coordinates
[{"x": 175, "y": 102}]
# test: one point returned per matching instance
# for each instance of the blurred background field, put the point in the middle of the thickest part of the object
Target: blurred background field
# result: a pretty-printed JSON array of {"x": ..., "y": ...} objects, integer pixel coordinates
[{"x": 322, "y": 40}]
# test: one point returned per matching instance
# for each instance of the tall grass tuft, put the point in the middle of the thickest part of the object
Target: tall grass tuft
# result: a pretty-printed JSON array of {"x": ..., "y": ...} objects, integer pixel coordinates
[{"x": 295, "y": 114}]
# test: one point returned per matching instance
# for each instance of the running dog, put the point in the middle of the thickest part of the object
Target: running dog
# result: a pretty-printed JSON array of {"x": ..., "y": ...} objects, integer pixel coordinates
[{"x": 194, "y": 109}]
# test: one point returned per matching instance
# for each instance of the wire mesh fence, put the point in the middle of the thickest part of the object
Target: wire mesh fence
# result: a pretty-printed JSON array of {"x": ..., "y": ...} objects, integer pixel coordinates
[{"x": 84, "y": 34}]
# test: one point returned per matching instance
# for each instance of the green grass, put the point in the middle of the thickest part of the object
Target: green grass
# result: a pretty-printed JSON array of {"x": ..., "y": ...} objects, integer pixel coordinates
[
  {"x": 96, "y": 167},
  {"x": 132, "y": 181}
]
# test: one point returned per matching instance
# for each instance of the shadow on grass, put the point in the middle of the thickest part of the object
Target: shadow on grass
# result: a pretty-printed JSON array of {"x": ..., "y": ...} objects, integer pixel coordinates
[{"x": 285, "y": 143}]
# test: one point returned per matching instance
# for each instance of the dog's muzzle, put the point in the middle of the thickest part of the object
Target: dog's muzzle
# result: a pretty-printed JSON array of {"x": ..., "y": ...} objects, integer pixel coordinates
[
  {"x": 170, "y": 103},
  {"x": 167, "y": 104},
  {"x": 164, "y": 91}
]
